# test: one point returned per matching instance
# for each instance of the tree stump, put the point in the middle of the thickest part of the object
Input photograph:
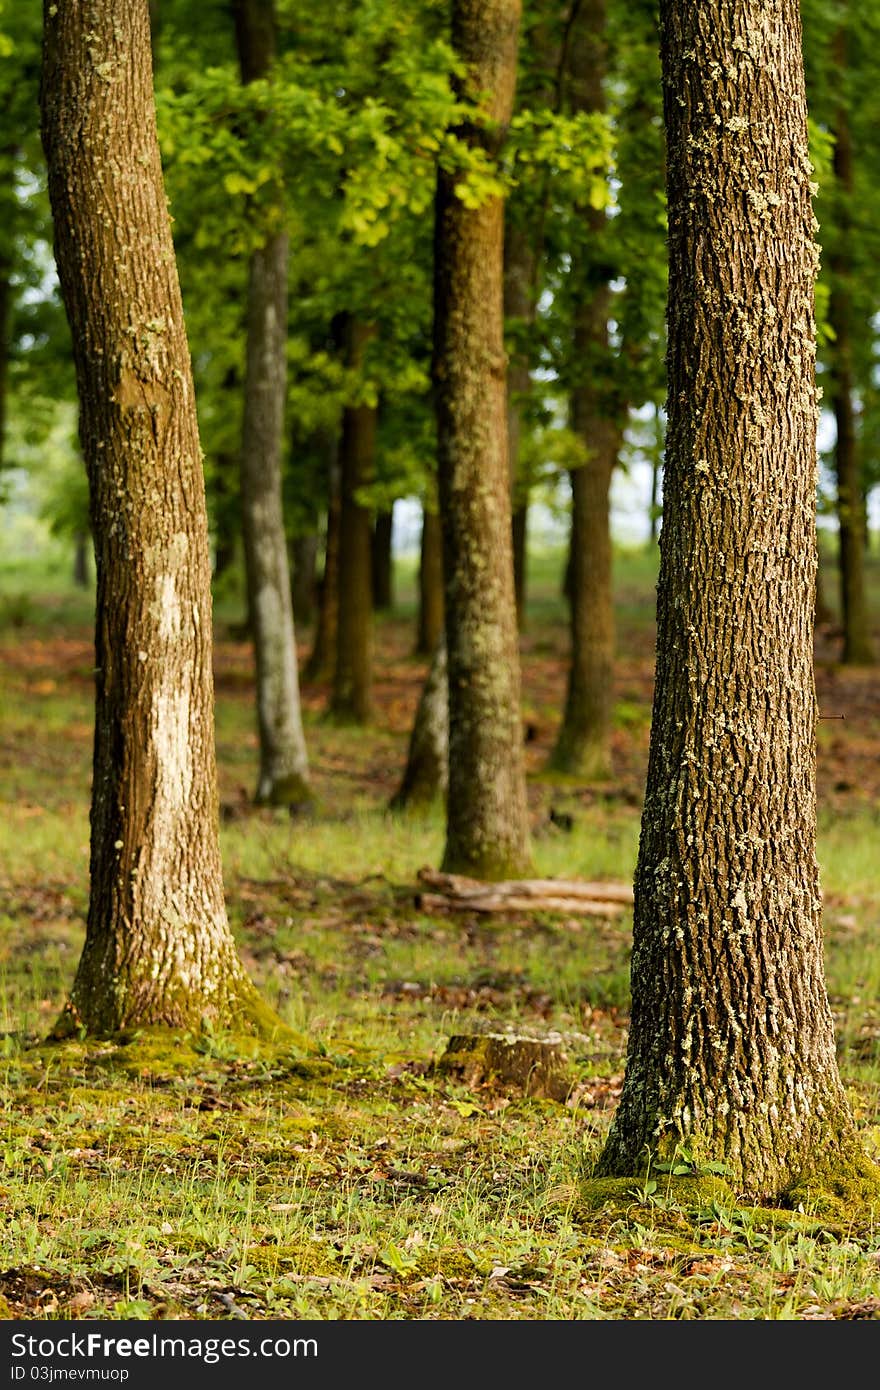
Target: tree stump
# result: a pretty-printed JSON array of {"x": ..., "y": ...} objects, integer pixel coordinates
[{"x": 537, "y": 1066}]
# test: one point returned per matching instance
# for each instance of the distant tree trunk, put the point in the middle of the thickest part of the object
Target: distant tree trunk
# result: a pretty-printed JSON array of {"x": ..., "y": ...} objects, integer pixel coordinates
[
  {"x": 519, "y": 306},
  {"x": 583, "y": 746},
  {"x": 158, "y": 948},
  {"x": 284, "y": 769},
  {"x": 823, "y": 614},
  {"x": 226, "y": 533},
  {"x": 7, "y": 156},
  {"x": 81, "y": 559},
  {"x": 5, "y": 316},
  {"x": 352, "y": 681},
  {"x": 155, "y": 27},
  {"x": 731, "y": 1053},
  {"x": 654, "y": 516},
  {"x": 857, "y": 645},
  {"x": 383, "y": 562},
  {"x": 322, "y": 658},
  {"x": 520, "y": 526},
  {"x": 305, "y": 565},
  {"x": 487, "y": 822},
  {"x": 426, "y": 775},
  {"x": 430, "y": 584}
]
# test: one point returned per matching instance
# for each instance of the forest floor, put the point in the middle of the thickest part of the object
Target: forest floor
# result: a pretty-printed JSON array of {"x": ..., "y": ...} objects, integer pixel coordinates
[{"x": 351, "y": 1177}]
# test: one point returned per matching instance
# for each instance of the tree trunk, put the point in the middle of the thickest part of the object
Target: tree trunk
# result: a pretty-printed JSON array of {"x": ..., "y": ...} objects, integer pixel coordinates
[
  {"x": 426, "y": 775},
  {"x": 81, "y": 560},
  {"x": 487, "y": 822},
  {"x": 520, "y": 527},
  {"x": 284, "y": 771},
  {"x": 352, "y": 682},
  {"x": 323, "y": 654},
  {"x": 583, "y": 746},
  {"x": 857, "y": 646},
  {"x": 430, "y": 584},
  {"x": 305, "y": 564},
  {"x": 158, "y": 948},
  {"x": 731, "y": 1054},
  {"x": 382, "y": 562},
  {"x": 519, "y": 307}
]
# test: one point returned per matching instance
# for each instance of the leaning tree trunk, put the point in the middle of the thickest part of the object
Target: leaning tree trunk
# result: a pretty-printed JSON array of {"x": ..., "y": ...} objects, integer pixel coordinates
[
  {"x": 352, "y": 682},
  {"x": 426, "y": 775},
  {"x": 158, "y": 948},
  {"x": 430, "y": 626},
  {"x": 284, "y": 771},
  {"x": 731, "y": 1052},
  {"x": 487, "y": 822},
  {"x": 851, "y": 513},
  {"x": 583, "y": 745}
]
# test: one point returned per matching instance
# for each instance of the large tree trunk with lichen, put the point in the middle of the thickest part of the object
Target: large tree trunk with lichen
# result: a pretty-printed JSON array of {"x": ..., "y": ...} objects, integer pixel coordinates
[
  {"x": 426, "y": 775},
  {"x": 158, "y": 947},
  {"x": 487, "y": 823},
  {"x": 353, "y": 677},
  {"x": 731, "y": 1050},
  {"x": 284, "y": 771},
  {"x": 430, "y": 626},
  {"x": 858, "y": 649},
  {"x": 583, "y": 745}
]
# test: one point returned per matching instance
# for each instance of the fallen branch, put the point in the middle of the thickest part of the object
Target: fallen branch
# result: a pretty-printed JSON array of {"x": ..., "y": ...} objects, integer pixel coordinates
[
  {"x": 507, "y": 902},
  {"x": 459, "y": 893}
]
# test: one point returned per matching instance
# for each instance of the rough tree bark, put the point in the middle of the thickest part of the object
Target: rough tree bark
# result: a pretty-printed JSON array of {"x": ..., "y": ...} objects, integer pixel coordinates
[
  {"x": 858, "y": 648},
  {"x": 284, "y": 771},
  {"x": 583, "y": 745},
  {"x": 731, "y": 1047},
  {"x": 158, "y": 947},
  {"x": 486, "y": 823},
  {"x": 352, "y": 682},
  {"x": 430, "y": 627}
]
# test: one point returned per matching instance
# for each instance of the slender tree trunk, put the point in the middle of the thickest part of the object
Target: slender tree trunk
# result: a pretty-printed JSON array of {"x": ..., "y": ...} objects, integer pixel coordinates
[
  {"x": 284, "y": 770},
  {"x": 382, "y": 562},
  {"x": 583, "y": 746},
  {"x": 225, "y": 531},
  {"x": 158, "y": 947},
  {"x": 426, "y": 775},
  {"x": 352, "y": 682},
  {"x": 731, "y": 1053},
  {"x": 305, "y": 565},
  {"x": 81, "y": 559},
  {"x": 7, "y": 170},
  {"x": 654, "y": 516},
  {"x": 430, "y": 584},
  {"x": 5, "y": 316},
  {"x": 487, "y": 822},
  {"x": 323, "y": 654},
  {"x": 519, "y": 305},
  {"x": 857, "y": 645}
]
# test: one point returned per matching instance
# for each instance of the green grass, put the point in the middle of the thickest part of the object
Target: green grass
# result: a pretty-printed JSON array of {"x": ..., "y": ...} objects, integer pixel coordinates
[{"x": 352, "y": 1178}]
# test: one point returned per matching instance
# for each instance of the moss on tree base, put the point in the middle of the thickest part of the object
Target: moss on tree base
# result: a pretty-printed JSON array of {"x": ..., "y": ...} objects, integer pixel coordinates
[{"x": 293, "y": 792}]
